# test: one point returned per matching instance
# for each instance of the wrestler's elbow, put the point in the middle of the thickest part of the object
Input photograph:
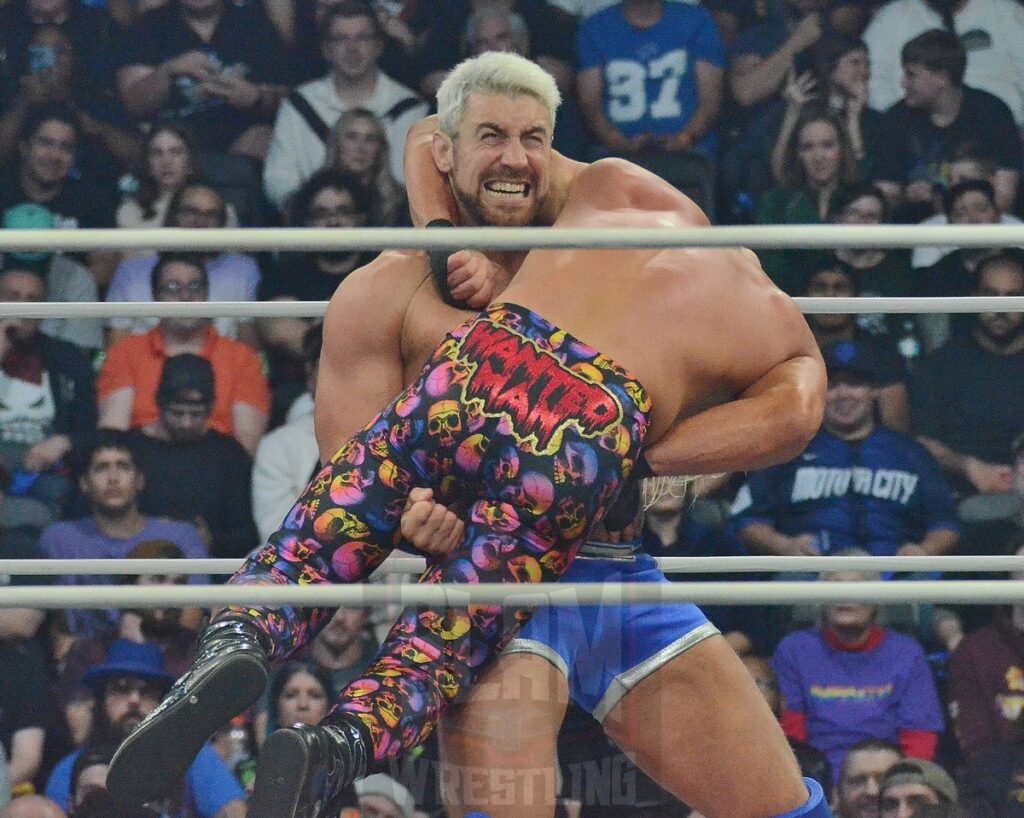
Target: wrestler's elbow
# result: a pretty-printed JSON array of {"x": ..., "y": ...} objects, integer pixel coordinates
[
  {"x": 801, "y": 418},
  {"x": 811, "y": 390}
]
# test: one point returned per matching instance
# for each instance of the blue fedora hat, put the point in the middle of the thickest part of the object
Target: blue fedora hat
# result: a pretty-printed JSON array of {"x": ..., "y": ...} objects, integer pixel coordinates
[{"x": 127, "y": 658}]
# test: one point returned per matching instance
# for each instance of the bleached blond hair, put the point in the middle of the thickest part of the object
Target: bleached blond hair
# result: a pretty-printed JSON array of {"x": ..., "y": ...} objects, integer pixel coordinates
[
  {"x": 653, "y": 489},
  {"x": 493, "y": 72}
]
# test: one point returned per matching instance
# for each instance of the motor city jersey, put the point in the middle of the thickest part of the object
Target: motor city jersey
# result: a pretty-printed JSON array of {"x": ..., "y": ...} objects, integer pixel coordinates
[{"x": 877, "y": 493}]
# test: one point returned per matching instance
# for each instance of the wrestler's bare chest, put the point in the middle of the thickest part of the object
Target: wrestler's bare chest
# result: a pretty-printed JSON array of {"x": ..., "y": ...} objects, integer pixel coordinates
[{"x": 427, "y": 321}]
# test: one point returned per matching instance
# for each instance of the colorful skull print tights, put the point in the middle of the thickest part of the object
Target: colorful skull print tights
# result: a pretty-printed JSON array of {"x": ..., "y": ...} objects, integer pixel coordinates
[{"x": 528, "y": 430}]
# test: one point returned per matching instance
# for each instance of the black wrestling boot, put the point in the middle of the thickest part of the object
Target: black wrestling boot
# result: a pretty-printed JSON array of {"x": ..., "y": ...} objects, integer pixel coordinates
[
  {"x": 228, "y": 674},
  {"x": 306, "y": 772}
]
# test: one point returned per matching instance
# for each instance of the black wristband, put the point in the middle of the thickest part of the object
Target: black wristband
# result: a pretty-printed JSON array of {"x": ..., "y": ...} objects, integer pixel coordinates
[{"x": 439, "y": 268}]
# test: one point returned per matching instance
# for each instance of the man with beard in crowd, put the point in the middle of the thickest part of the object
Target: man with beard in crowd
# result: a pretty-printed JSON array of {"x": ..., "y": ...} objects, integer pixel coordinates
[
  {"x": 173, "y": 630},
  {"x": 127, "y": 687},
  {"x": 965, "y": 396}
]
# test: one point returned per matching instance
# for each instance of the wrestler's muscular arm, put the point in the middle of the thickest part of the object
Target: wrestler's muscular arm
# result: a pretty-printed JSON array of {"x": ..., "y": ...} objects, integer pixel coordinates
[
  {"x": 361, "y": 366},
  {"x": 430, "y": 196},
  {"x": 779, "y": 407},
  {"x": 471, "y": 278},
  {"x": 769, "y": 423}
]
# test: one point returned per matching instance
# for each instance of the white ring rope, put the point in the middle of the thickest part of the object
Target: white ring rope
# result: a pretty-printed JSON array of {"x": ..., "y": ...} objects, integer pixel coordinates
[
  {"x": 416, "y": 565},
  {"x": 756, "y": 237},
  {"x": 988, "y": 592},
  {"x": 165, "y": 309},
  {"x": 290, "y": 239},
  {"x": 316, "y": 309}
]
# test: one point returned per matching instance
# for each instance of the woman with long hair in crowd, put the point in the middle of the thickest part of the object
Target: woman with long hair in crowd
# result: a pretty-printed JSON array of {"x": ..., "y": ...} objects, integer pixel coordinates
[
  {"x": 300, "y": 692},
  {"x": 818, "y": 163},
  {"x": 170, "y": 161},
  {"x": 838, "y": 84},
  {"x": 358, "y": 144}
]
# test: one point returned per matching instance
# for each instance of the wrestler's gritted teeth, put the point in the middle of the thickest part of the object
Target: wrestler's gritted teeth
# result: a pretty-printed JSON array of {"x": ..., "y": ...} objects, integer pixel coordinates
[
  {"x": 501, "y": 201},
  {"x": 511, "y": 200}
]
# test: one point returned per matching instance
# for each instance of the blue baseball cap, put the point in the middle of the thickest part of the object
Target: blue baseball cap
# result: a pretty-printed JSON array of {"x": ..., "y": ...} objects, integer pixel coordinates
[
  {"x": 127, "y": 658},
  {"x": 853, "y": 359}
]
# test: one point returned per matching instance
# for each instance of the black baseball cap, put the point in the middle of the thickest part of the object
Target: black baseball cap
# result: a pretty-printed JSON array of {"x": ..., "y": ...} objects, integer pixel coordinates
[{"x": 185, "y": 376}]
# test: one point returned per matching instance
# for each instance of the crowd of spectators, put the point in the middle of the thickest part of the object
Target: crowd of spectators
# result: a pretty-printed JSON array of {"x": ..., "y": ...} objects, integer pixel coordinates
[{"x": 177, "y": 438}]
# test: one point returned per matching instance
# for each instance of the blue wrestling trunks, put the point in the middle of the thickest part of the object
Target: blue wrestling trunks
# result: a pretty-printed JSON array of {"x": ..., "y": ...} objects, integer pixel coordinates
[{"x": 606, "y": 650}]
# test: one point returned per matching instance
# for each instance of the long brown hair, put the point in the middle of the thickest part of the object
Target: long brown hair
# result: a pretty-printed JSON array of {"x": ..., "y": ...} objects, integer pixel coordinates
[
  {"x": 793, "y": 174},
  {"x": 149, "y": 190}
]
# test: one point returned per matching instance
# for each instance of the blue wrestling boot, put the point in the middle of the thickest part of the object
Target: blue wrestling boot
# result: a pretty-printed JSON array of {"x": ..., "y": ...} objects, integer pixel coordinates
[
  {"x": 229, "y": 674},
  {"x": 307, "y": 772}
]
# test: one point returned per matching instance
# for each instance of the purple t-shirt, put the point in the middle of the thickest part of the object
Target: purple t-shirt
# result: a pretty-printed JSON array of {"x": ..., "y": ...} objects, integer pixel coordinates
[
  {"x": 81, "y": 539},
  {"x": 849, "y": 696}
]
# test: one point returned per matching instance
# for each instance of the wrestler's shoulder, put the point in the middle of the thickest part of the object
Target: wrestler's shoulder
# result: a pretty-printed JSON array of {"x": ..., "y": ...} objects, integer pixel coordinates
[
  {"x": 396, "y": 266},
  {"x": 626, "y": 184},
  {"x": 729, "y": 268},
  {"x": 382, "y": 288},
  {"x": 393, "y": 272},
  {"x": 743, "y": 261}
]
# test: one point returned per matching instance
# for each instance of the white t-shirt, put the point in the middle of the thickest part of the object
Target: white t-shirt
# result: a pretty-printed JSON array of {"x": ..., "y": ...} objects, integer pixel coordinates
[
  {"x": 284, "y": 462},
  {"x": 296, "y": 152},
  {"x": 927, "y": 256}
]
